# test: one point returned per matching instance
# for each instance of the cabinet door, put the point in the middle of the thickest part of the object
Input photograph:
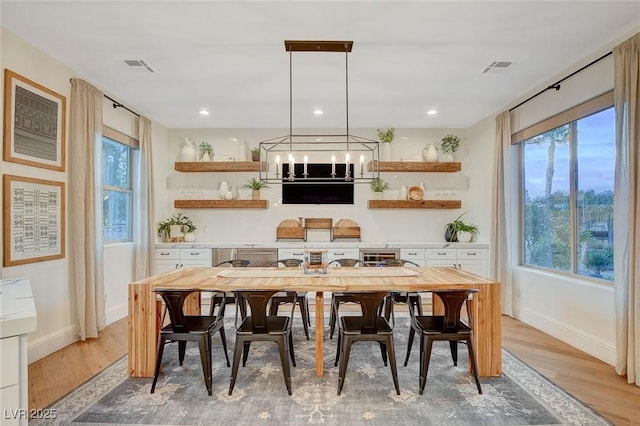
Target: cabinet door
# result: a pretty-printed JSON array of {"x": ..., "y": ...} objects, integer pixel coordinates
[
  {"x": 474, "y": 261},
  {"x": 415, "y": 255},
  {"x": 160, "y": 266},
  {"x": 477, "y": 267},
  {"x": 201, "y": 256}
]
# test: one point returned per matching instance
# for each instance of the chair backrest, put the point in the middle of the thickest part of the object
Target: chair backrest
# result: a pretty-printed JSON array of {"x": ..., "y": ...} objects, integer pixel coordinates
[
  {"x": 369, "y": 303},
  {"x": 347, "y": 262},
  {"x": 453, "y": 300},
  {"x": 289, "y": 263},
  {"x": 237, "y": 263},
  {"x": 396, "y": 262},
  {"x": 258, "y": 301},
  {"x": 174, "y": 300}
]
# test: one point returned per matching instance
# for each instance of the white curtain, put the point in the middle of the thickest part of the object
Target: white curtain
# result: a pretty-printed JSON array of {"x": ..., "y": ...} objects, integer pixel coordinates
[
  {"x": 501, "y": 253},
  {"x": 627, "y": 208},
  {"x": 143, "y": 205},
  {"x": 85, "y": 207}
]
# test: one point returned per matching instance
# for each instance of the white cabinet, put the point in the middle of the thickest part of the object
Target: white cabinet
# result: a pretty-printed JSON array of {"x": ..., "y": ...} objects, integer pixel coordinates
[
  {"x": 168, "y": 259},
  {"x": 291, "y": 253},
  {"x": 468, "y": 259},
  {"x": 332, "y": 254}
]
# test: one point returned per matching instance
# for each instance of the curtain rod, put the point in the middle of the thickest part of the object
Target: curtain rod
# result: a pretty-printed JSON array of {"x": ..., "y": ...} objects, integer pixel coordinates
[
  {"x": 556, "y": 85},
  {"x": 117, "y": 104}
]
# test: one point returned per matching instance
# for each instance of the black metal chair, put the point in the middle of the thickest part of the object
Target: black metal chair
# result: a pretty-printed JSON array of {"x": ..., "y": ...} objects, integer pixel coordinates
[
  {"x": 229, "y": 297},
  {"x": 184, "y": 328},
  {"x": 447, "y": 327},
  {"x": 400, "y": 296},
  {"x": 370, "y": 327},
  {"x": 299, "y": 297},
  {"x": 338, "y": 298},
  {"x": 262, "y": 327}
]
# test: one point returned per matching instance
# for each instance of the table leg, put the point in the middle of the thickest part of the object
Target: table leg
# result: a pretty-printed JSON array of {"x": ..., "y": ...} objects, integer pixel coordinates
[
  {"x": 143, "y": 326},
  {"x": 319, "y": 333}
]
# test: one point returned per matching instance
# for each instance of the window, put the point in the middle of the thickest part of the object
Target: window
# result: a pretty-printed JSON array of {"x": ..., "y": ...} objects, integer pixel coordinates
[
  {"x": 567, "y": 188},
  {"x": 117, "y": 194}
]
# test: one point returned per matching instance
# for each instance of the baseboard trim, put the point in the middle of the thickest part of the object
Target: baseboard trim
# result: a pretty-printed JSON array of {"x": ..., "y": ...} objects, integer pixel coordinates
[
  {"x": 577, "y": 338},
  {"x": 46, "y": 345},
  {"x": 116, "y": 313}
]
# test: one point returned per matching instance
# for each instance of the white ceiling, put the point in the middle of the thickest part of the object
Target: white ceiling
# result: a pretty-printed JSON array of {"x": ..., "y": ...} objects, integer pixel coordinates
[{"x": 407, "y": 58}]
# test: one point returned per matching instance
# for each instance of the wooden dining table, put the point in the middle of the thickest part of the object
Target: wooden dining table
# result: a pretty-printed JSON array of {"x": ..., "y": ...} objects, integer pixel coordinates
[{"x": 145, "y": 310}]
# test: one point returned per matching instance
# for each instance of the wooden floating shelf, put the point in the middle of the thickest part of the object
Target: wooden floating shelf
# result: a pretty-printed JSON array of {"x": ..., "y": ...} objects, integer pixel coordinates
[
  {"x": 219, "y": 166},
  {"x": 221, "y": 204},
  {"x": 415, "y": 166},
  {"x": 410, "y": 204}
]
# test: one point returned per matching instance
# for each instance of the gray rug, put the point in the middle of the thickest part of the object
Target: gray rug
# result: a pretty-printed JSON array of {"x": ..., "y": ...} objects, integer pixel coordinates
[{"x": 520, "y": 397}]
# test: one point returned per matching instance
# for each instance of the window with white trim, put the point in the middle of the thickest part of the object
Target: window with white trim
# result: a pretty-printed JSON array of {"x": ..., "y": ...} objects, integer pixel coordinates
[{"x": 117, "y": 193}]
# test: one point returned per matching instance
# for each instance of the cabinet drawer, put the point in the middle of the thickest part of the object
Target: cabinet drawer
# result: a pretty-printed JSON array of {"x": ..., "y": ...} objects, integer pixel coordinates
[
  {"x": 449, "y": 254},
  {"x": 346, "y": 253},
  {"x": 9, "y": 368},
  {"x": 472, "y": 254},
  {"x": 291, "y": 253},
  {"x": 195, "y": 254},
  {"x": 412, "y": 254},
  {"x": 170, "y": 254}
]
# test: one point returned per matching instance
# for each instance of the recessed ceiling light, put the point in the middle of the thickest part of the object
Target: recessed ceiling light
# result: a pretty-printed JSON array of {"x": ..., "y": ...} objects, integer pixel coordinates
[
  {"x": 204, "y": 112},
  {"x": 318, "y": 112},
  {"x": 432, "y": 112}
]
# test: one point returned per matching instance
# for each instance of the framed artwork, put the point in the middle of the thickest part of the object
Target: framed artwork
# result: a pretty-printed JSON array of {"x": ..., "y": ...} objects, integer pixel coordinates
[
  {"x": 34, "y": 123},
  {"x": 34, "y": 216}
]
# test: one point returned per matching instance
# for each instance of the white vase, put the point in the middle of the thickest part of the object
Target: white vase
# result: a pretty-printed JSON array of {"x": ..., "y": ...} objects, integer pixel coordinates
[
  {"x": 234, "y": 192},
  {"x": 385, "y": 151},
  {"x": 189, "y": 237},
  {"x": 188, "y": 151},
  {"x": 242, "y": 151},
  {"x": 377, "y": 195},
  {"x": 175, "y": 231},
  {"x": 430, "y": 153},
  {"x": 403, "y": 193},
  {"x": 205, "y": 157},
  {"x": 224, "y": 188},
  {"x": 449, "y": 158},
  {"x": 464, "y": 237}
]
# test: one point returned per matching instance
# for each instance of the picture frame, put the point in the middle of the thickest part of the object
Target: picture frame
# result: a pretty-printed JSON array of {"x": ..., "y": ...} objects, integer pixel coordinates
[
  {"x": 33, "y": 220},
  {"x": 34, "y": 123}
]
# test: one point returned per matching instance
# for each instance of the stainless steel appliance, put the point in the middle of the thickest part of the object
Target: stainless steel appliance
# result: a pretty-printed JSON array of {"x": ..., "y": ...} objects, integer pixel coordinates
[
  {"x": 261, "y": 256},
  {"x": 375, "y": 255}
]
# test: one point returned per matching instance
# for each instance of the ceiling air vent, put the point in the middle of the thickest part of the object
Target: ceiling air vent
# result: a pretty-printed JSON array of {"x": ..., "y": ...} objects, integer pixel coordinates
[
  {"x": 497, "y": 67},
  {"x": 138, "y": 65}
]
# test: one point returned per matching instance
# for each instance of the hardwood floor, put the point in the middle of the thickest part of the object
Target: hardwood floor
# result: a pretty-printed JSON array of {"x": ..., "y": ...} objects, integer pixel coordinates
[{"x": 590, "y": 380}]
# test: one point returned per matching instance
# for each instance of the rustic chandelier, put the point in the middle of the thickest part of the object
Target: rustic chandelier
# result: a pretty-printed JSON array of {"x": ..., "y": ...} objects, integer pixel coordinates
[{"x": 286, "y": 158}]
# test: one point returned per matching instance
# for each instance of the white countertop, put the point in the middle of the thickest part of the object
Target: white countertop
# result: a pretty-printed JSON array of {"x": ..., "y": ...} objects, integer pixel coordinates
[
  {"x": 323, "y": 244},
  {"x": 17, "y": 308}
]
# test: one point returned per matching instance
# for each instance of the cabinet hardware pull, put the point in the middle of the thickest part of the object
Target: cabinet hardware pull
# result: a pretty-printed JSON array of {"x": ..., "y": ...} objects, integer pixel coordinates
[
  {"x": 338, "y": 254},
  {"x": 298, "y": 254},
  {"x": 164, "y": 254},
  {"x": 412, "y": 254},
  {"x": 441, "y": 253},
  {"x": 194, "y": 254},
  {"x": 471, "y": 253},
  {"x": 176, "y": 266}
]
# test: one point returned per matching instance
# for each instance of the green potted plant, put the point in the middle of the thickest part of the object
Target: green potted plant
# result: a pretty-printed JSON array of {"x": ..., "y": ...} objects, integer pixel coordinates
[
  {"x": 449, "y": 145},
  {"x": 378, "y": 186},
  {"x": 457, "y": 230},
  {"x": 255, "y": 154},
  {"x": 176, "y": 227},
  {"x": 386, "y": 136},
  {"x": 206, "y": 151},
  {"x": 255, "y": 185}
]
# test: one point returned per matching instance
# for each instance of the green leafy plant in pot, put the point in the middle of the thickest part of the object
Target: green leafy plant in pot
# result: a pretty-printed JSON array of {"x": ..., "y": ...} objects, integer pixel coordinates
[
  {"x": 450, "y": 144},
  {"x": 175, "y": 227},
  {"x": 456, "y": 230},
  {"x": 255, "y": 154},
  {"x": 255, "y": 185},
  {"x": 378, "y": 186}
]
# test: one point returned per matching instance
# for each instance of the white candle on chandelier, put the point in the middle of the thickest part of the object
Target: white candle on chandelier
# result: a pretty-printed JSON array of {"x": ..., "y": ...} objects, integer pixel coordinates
[
  {"x": 277, "y": 165},
  {"x": 362, "y": 164},
  {"x": 333, "y": 164},
  {"x": 306, "y": 159},
  {"x": 292, "y": 164}
]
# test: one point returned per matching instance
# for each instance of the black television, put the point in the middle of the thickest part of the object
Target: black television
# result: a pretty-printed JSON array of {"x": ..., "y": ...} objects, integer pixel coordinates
[{"x": 318, "y": 187}]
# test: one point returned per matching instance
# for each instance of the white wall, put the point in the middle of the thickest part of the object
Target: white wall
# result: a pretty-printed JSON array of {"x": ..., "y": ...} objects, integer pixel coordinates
[
  {"x": 50, "y": 280},
  {"x": 377, "y": 225}
]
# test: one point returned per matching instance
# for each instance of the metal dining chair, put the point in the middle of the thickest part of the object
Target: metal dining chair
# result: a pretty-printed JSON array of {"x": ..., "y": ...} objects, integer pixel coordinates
[{"x": 299, "y": 298}]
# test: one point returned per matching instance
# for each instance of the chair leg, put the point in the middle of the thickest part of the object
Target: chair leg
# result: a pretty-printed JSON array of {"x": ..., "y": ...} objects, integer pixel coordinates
[
  {"x": 291, "y": 352},
  {"x": 304, "y": 313},
  {"x": 306, "y": 304},
  {"x": 453, "y": 344},
  {"x": 344, "y": 361},
  {"x": 236, "y": 362},
  {"x": 383, "y": 350},
  {"x": 182, "y": 349},
  {"x": 474, "y": 364},
  {"x": 205, "y": 358},
  {"x": 284, "y": 361},
  {"x": 392, "y": 361},
  {"x": 245, "y": 353},
  {"x": 333, "y": 316},
  {"x": 338, "y": 349},
  {"x": 273, "y": 307},
  {"x": 223, "y": 337},
  {"x": 161, "y": 343},
  {"x": 412, "y": 333},
  {"x": 426, "y": 347}
]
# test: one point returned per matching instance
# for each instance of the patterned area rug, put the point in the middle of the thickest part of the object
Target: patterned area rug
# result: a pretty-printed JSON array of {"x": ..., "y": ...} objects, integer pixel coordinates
[{"x": 520, "y": 397}]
